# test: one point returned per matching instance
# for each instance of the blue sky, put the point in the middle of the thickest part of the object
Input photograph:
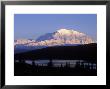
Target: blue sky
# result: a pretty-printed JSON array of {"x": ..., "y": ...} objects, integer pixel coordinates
[{"x": 31, "y": 26}]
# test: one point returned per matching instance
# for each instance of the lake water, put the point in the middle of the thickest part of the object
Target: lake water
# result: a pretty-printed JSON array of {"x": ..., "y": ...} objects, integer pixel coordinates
[{"x": 62, "y": 63}]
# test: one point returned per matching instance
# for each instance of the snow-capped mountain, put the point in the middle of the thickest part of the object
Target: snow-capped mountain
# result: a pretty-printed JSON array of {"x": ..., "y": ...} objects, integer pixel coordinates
[
  {"x": 65, "y": 36},
  {"x": 58, "y": 38}
]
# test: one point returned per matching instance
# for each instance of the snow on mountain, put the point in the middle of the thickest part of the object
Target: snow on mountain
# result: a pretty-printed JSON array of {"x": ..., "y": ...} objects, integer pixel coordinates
[
  {"x": 64, "y": 36},
  {"x": 23, "y": 41},
  {"x": 58, "y": 38}
]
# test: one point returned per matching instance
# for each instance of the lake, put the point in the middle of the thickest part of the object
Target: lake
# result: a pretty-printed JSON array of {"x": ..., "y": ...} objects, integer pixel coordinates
[{"x": 61, "y": 63}]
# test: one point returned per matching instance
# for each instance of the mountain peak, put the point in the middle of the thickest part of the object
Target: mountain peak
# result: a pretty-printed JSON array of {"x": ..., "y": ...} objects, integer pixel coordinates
[
  {"x": 69, "y": 31},
  {"x": 66, "y": 31},
  {"x": 63, "y": 29}
]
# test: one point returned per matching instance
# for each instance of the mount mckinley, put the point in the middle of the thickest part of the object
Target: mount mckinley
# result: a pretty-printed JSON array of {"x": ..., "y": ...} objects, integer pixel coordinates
[{"x": 62, "y": 37}]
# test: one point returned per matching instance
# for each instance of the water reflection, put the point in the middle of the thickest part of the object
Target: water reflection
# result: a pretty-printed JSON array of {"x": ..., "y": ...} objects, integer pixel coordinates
[{"x": 62, "y": 63}]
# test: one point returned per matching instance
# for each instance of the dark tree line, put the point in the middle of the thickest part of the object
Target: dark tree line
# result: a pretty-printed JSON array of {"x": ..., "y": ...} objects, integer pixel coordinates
[{"x": 86, "y": 52}]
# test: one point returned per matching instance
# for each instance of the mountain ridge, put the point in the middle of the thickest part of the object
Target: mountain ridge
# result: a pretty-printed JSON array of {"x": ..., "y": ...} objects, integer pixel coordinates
[{"x": 61, "y": 37}]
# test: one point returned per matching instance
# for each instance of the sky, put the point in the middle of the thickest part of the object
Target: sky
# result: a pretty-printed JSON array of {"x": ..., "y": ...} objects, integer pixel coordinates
[{"x": 31, "y": 26}]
